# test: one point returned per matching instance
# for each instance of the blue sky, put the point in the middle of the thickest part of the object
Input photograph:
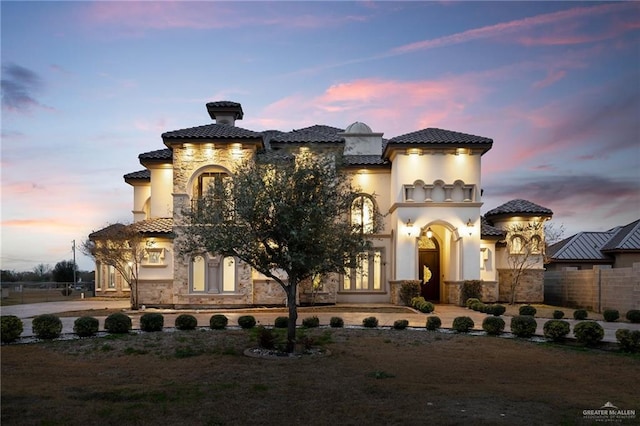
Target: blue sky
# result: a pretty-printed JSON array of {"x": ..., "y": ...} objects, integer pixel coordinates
[{"x": 87, "y": 86}]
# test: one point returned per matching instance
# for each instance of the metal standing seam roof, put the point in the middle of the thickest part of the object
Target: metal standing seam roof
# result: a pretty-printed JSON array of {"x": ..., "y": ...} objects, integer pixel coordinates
[
  {"x": 581, "y": 246},
  {"x": 626, "y": 238},
  {"x": 521, "y": 207}
]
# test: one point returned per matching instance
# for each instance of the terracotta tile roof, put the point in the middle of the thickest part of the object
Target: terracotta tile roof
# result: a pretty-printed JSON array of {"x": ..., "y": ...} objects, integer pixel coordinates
[
  {"x": 313, "y": 134},
  {"x": 160, "y": 225},
  {"x": 440, "y": 136},
  {"x": 520, "y": 207},
  {"x": 488, "y": 231},
  {"x": 364, "y": 160},
  {"x": 212, "y": 131},
  {"x": 149, "y": 227},
  {"x": 139, "y": 175},
  {"x": 160, "y": 154}
]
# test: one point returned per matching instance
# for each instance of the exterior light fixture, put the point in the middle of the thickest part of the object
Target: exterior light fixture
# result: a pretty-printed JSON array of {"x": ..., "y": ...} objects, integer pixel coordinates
[
  {"x": 462, "y": 151},
  {"x": 414, "y": 151},
  {"x": 470, "y": 227},
  {"x": 429, "y": 233},
  {"x": 409, "y": 227}
]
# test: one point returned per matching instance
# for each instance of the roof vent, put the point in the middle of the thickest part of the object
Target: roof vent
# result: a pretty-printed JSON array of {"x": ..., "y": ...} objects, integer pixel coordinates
[{"x": 225, "y": 112}]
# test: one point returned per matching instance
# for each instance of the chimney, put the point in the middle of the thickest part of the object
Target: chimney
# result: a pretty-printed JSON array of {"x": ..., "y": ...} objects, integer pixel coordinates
[{"x": 225, "y": 112}]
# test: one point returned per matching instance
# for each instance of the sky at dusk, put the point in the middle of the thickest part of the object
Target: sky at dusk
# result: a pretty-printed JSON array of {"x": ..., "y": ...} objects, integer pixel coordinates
[{"x": 87, "y": 86}]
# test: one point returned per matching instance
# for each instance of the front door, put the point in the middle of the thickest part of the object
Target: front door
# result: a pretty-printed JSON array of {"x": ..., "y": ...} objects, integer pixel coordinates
[{"x": 429, "y": 274}]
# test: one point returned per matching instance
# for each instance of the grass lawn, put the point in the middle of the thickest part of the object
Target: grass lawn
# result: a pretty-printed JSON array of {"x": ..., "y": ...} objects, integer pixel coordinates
[{"x": 372, "y": 377}]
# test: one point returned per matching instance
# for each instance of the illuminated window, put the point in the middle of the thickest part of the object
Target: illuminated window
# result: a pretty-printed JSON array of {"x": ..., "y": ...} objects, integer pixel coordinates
[
  {"x": 362, "y": 213},
  {"x": 111, "y": 277},
  {"x": 369, "y": 273},
  {"x": 536, "y": 244},
  {"x": 517, "y": 245},
  {"x": 212, "y": 274}
]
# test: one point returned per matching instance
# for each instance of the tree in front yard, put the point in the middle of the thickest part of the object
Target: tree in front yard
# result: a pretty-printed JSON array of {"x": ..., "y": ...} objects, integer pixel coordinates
[
  {"x": 124, "y": 248},
  {"x": 525, "y": 251},
  {"x": 286, "y": 216}
]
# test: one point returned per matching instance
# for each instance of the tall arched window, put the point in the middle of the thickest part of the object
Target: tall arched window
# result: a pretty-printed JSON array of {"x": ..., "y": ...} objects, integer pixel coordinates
[
  {"x": 212, "y": 274},
  {"x": 362, "y": 213}
]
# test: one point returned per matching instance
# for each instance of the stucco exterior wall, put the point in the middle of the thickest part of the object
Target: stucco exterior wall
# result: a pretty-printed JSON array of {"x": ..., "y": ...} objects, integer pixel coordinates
[{"x": 161, "y": 183}]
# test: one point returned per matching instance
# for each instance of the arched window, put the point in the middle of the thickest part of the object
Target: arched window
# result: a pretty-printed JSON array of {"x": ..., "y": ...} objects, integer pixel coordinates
[
  {"x": 212, "y": 274},
  {"x": 517, "y": 245},
  {"x": 216, "y": 186},
  {"x": 536, "y": 244},
  {"x": 362, "y": 213}
]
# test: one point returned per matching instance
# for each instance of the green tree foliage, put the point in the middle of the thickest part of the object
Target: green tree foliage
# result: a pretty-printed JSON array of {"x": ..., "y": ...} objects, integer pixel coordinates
[
  {"x": 63, "y": 271},
  {"x": 287, "y": 217}
]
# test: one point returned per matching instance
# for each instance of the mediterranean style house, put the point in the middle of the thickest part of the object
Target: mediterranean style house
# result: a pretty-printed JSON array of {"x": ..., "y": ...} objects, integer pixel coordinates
[{"x": 426, "y": 183}]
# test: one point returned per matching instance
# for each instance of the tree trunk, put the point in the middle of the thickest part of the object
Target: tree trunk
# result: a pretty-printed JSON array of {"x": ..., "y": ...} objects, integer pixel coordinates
[{"x": 293, "y": 316}]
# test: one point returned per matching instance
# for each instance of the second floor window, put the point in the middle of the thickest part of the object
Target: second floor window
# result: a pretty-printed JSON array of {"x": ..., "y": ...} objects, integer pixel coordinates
[{"x": 362, "y": 210}]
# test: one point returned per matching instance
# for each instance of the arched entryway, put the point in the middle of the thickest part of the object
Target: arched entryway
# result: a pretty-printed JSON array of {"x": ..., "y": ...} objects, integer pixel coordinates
[{"x": 429, "y": 267}]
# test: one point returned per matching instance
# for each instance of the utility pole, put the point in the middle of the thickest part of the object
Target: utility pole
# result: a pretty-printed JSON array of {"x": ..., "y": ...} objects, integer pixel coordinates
[{"x": 74, "y": 261}]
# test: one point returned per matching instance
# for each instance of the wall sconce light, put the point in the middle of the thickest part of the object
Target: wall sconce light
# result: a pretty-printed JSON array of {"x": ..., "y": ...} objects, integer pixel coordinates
[
  {"x": 470, "y": 227},
  {"x": 409, "y": 227},
  {"x": 429, "y": 233}
]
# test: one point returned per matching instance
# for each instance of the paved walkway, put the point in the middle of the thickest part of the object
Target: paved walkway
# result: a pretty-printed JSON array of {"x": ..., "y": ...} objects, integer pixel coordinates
[{"x": 351, "y": 314}]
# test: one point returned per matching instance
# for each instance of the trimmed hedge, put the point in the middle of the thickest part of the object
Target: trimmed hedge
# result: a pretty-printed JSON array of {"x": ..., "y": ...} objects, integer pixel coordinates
[
  {"x": 527, "y": 310},
  {"x": 47, "y": 326},
  {"x": 247, "y": 321},
  {"x": 311, "y": 322},
  {"x": 151, "y": 321},
  {"x": 633, "y": 315},
  {"x": 422, "y": 305},
  {"x": 408, "y": 290},
  {"x": 219, "y": 322},
  {"x": 86, "y": 326},
  {"x": 629, "y": 340},
  {"x": 580, "y": 314},
  {"x": 400, "y": 324},
  {"x": 589, "y": 333},
  {"x": 470, "y": 301},
  {"x": 493, "y": 325},
  {"x": 281, "y": 322},
  {"x": 462, "y": 324},
  {"x": 611, "y": 315},
  {"x": 433, "y": 323},
  {"x": 11, "y": 328},
  {"x": 556, "y": 330},
  {"x": 186, "y": 322},
  {"x": 523, "y": 325},
  {"x": 336, "y": 322},
  {"x": 117, "y": 323},
  {"x": 558, "y": 314},
  {"x": 370, "y": 322}
]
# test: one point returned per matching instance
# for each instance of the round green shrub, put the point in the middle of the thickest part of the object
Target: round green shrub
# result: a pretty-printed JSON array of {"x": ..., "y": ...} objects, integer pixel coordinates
[
  {"x": 400, "y": 324},
  {"x": 281, "y": 322},
  {"x": 611, "y": 315},
  {"x": 86, "y": 326},
  {"x": 186, "y": 322},
  {"x": 558, "y": 314},
  {"x": 629, "y": 340},
  {"x": 247, "y": 321},
  {"x": 470, "y": 301},
  {"x": 427, "y": 307},
  {"x": 266, "y": 338},
  {"x": 11, "y": 328},
  {"x": 476, "y": 306},
  {"x": 219, "y": 322},
  {"x": 493, "y": 325},
  {"x": 336, "y": 322},
  {"x": 370, "y": 322},
  {"x": 633, "y": 315},
  {"x": 117, "y": 323},
  {"x": 433, "y": 323},
  {"x": 151, "y": 321},
  {"x": 527, "y": 310},
  {"x": 589, "y": 333},
  {"x": 580, "y": 314},
  {"x": 409, "y": 290},
  {"x": 311, "y": 322},
  {"x": 523, "y": 325},
  {"x": 556, "y": 330},
  {"x": 497, "y": 310},
  {"x": 47, "y": 326},
  {"x": 462, "y": 324}
]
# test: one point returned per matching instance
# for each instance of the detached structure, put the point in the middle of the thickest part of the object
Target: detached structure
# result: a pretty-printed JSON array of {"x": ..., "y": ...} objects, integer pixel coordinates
[{"x": 425, "y": 183}]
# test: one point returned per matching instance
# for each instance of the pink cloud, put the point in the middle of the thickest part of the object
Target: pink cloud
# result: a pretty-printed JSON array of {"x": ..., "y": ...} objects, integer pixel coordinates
[
  {"x": 504, "y": 29},
  {"x": 552, "y": 77}
]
